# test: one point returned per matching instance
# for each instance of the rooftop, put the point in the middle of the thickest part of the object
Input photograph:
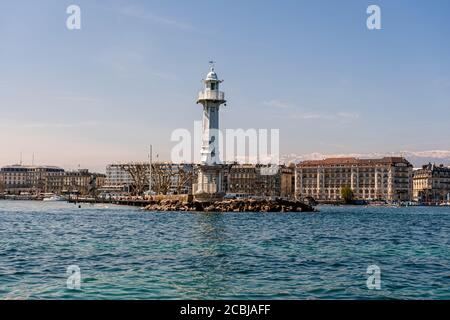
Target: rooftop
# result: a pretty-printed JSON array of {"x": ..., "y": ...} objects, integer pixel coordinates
[
  {"x": 32, "y": 167},
  {"x": 354, "y": 161}
]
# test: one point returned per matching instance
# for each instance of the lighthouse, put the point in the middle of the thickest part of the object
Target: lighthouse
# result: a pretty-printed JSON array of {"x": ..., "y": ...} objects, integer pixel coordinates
[
  {"x": 211, "y": 98},
  {"x": 210, "y": 174}
]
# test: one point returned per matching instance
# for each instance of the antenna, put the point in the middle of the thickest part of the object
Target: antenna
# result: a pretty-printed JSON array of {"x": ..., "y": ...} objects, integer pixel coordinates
[
  {"x": 150, "y": 158},
  {"x": 212, "y": 64},
  {"x": 32, "y": 160},
  {"x": 21, "y": 158}
]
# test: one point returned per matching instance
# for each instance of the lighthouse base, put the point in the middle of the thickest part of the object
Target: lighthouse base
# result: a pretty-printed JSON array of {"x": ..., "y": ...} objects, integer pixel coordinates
[{"x": 210, "y": 183}]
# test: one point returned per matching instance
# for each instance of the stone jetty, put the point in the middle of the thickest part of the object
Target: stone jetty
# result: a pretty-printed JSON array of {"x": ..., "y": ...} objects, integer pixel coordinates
[{"x": 230, "y": 205}]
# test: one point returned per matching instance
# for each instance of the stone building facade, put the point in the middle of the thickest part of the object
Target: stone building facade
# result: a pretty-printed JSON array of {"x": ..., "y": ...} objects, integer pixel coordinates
[
  {"x": 431, "y": 184},
  {"x": 16, "y": 179},
  {"x": 386, "y": 179},
  {"x": 259, "y": 180},
  {"x": 82, "y": 181}
]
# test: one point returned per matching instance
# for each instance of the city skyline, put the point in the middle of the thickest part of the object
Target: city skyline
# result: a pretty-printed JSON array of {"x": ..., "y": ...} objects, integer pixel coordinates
[{"x": 130, "y": 77}]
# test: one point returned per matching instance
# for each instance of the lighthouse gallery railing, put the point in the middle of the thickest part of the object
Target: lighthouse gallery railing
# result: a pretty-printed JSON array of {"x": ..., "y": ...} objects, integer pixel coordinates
[{"x": 211, "y": 95}]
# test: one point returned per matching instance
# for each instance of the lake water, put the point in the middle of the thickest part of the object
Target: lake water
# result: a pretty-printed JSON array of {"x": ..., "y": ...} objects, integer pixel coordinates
[{"x": 127, "y": 253}]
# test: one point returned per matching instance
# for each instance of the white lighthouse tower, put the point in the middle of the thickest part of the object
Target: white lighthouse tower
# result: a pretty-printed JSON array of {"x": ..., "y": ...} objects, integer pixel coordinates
[
  {"x": 210, "y": 174},
  {"x": 211, "y": 99}
]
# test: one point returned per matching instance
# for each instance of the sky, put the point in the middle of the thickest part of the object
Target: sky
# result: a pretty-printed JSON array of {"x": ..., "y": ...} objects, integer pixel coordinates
[{"x": 130, "y": 76}]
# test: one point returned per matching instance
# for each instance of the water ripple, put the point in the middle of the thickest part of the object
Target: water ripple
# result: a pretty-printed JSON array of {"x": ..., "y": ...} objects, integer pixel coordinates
[{"x": 125, "y": 253}]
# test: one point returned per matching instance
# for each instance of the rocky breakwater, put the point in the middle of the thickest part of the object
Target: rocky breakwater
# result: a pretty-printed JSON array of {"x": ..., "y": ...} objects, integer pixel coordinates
[{"x": 235, "y": 205}]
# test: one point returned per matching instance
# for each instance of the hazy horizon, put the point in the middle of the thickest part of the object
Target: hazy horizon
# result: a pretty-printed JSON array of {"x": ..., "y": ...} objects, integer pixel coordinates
[{"x": 130, "y": 76}]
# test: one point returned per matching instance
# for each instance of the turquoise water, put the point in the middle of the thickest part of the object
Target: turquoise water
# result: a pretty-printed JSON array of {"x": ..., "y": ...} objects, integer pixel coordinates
[{"x": 126, "y": 253}]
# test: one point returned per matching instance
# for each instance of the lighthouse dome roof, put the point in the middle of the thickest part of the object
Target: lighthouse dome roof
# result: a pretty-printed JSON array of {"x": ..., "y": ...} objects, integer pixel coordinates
[{"x": 212, "y": 75}]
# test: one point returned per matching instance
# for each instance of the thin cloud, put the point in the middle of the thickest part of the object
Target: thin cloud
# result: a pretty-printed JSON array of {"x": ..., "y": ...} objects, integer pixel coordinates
[
  {"x": 78, "y": 99},
  {"x": 313, "y": 116},
  {"x": 63, "y": 125},
  {"x": 348, "y": 115},
  {"x": 56, "y": 97},
  {"x": 46, "y": 125},
  {"x": 165, "y": 76},
  {"x": 333, "y": 145},
  {"x": 122, "y": 62},
  {"x": 134, "y": 12},
  {"x": 343, "y": 116},
  {"x": 442, "y": 83},
  {"x": 277, "y": 104}
]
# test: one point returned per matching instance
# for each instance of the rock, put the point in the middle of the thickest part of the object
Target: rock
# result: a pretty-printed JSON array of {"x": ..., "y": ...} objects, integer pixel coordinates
[{"x": 236, "y": 205}]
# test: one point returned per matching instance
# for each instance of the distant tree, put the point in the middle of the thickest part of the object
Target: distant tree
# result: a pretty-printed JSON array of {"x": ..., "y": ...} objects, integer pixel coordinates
[
  {"x": 347, "y": 194},
  {"x": 138, "y": 172},
  {"x": 92, "y": 186},
  {"x": 162, "y": 177},
  {"x": 166, "y": 177},
  {"x": 2, "y": 184},
  {"x": 185, "y": 177}
]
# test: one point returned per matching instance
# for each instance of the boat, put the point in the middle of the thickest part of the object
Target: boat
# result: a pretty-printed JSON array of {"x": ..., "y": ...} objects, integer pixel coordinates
[{"x": 54, "y": 198}]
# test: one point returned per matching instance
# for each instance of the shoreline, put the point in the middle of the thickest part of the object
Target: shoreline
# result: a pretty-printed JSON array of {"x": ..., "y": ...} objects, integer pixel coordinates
[{"x": 143, "y": 203}]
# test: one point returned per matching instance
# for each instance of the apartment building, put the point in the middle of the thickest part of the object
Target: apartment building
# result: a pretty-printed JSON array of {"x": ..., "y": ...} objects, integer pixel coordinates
[
  {"x": 431, "y": 184},
  {"x": 260, "y": 180},
  {"x": 15, "y": 179},
  {"x": 387, "y": 179},
  {"x": 116, "y": 175},
  {"x": 82, "y": 181}
]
